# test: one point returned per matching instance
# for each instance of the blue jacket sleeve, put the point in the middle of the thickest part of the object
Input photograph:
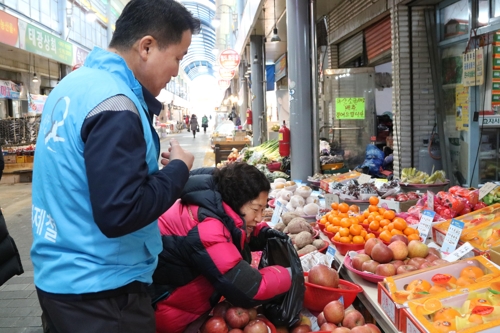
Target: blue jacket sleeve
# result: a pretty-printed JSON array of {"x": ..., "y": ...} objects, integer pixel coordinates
[{"x": 124, "y": 197}]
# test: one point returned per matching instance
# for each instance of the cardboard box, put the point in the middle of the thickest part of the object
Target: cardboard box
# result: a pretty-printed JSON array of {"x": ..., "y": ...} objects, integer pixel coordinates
[
  {"x": 21, "y": 159},
  {"x": 393, "y": 306},
  {"x": 396, "y": 205},
  {"x": 10, "y": 159},
  {"x": 412, "y": 320},
  {"x": 495, "y": 254}
]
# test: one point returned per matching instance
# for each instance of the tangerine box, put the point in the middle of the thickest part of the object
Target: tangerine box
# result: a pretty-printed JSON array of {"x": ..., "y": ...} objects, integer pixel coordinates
[
  {"x": 483, "y": 237},
  {"x": 471, "y": 220},
  {"x": 393, "y": 303},
  {"x": 420, "y": 314}
]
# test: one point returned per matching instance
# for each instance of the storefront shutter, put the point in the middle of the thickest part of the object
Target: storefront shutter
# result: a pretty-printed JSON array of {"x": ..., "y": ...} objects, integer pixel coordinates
[
  {"x": 351, "y": 49},
  {"x": 378, "y": 40}
]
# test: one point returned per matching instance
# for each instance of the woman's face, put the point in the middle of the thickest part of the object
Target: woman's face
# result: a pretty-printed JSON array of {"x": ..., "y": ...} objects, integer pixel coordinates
[{"x": 252, "y": 211}]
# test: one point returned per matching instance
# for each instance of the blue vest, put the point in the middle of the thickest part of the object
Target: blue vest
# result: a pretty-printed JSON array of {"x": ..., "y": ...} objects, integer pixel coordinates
[{"x": 69, "y": 253}]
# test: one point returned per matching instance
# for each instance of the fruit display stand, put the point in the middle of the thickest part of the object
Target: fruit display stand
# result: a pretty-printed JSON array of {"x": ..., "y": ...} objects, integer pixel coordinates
[{"x": 368, "y": 297}]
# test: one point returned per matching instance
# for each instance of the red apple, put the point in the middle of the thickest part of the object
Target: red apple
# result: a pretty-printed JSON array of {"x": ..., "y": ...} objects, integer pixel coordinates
[
  {"x": 370, "y": 244},
  {"x": 352, "y": 319},
  {"x": 298, "y": 329},
  {"x": 361, "y": 329},
  {"x": 237, "y": 317},
  {"x": 221, "y": 308},
  {"x": 216, "y": 325},
  {"x": 439, "y": 262},
  {"x": 382, "y": 253},
  {"x": 323, "y": 276},
  {"x": 417, "y": 249},
  {"x": 373, "y": 328},
  {"x": 321, "y": 319},
  {"x": 342, "y": 329},
  {"x": 385, "y": 270},
  {"x": 417, "y": 261},
  {"x": 435, "y": 251},
  {"x": 358, "y": 260},
  {"x": 370, "y": 265},
  {"x": 235, "y": 330},
  {"x": 256, "y": 326},
  {"x": 402, "y": 238},
  {"x": 399, "y": 249},
  {"x": 252, "y": 313},
  {"x": 431, "y": 257},
  {"x": 334, "y": 312},
  {"x": 425, "y": 265},
  {"x": 397, "y": 263},
  {"x": 327, "y": 327},
  {"x": 405, "y": 269}
]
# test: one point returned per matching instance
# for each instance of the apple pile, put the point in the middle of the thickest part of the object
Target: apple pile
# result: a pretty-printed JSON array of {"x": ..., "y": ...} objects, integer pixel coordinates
[
  {"x": 231, "y": 319},
  {"x": 399, "y": 257},
  {"x": 337, "y": 320}
]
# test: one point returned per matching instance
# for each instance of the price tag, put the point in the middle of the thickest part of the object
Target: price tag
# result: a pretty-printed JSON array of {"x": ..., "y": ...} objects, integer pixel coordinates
[
  {"x": 341, "y": 300},
  {"x": 388, "y": 306},
  {"x": 485, "y": 189},
  {"x": 278, "y": 210},
  {"x": 364, "y": 178},
  {"x": 439, "y": 238},
  {"x": 430, "y": 200},
  {"x": 330, "y": 253},
  {"x": 459, "y": 253},
  {"x": 331, "y": 198},
  {"x": 425, "y": 224},
  {"x": 452, "y": 236}
]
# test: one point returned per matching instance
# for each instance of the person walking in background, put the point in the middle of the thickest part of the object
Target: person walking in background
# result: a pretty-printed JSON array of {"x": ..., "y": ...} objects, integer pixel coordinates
[
  {"x": 204, "y": 123},
  {"x": 193, "y": 123},
  {"x": 186, "y": 119},
  {"x": 208, "y": 236},
  {"x": 97, "y": 187}
]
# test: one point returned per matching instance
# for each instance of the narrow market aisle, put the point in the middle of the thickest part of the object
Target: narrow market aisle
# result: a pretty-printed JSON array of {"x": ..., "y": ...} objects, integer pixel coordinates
[{"x": 199, "y": 147}]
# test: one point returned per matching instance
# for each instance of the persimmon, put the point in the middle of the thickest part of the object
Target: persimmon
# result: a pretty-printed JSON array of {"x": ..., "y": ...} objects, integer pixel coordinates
[
  {"x": 373, "y": 201},
  {"x": 471, "y": 272}
]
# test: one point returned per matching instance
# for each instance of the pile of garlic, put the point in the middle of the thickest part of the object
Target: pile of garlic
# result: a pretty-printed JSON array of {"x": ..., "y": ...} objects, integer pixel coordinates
[{"x": 295, "y": 198}]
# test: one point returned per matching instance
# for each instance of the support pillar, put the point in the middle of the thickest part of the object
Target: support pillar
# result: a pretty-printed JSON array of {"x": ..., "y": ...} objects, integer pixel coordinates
[
  {"x": 257, "y": 79},
  {"x": 243, "y": 92},
  {"x": 299, "y": 85}
]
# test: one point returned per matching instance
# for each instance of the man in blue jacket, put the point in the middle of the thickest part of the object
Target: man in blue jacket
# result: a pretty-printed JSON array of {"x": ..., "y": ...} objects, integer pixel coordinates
[{"x": 97, "y": 188}]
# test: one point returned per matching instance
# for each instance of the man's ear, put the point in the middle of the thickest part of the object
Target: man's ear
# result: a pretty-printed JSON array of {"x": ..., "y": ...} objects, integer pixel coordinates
[{"x": 145, "y": 45}]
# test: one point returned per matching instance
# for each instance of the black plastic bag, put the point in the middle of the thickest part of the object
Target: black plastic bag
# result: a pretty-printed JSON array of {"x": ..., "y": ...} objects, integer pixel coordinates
[
  {"x": 198, "y": 128},
  {"x": 284, "y": 310}
]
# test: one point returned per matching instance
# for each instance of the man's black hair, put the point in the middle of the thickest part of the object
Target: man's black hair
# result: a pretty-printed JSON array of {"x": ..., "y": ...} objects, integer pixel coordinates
[
  {"x": 165, "y": 20},
  {"x": 239, "y": 183}
]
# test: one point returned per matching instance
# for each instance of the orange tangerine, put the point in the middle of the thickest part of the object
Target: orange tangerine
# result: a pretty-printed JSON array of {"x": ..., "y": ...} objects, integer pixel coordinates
[
  {"x": 343, "y": 207},
  {"x": 476, "y": 319},
  {"x": 370, "y": 219},
  {"x": 344, "y": 232},
  {"x": 381, "y": 211},
  {"x": 413, "y": 237},
  {"x": 363, "y": 232},
  {"x": 336, "y": 237},
  {"x": 432, "y": 304},
  {"x": 372, "y": 209},
  {"x": 370, "y": 235},
  {"x": 409, "y": 231},
  {"x": 323, "y": 220},
  {"x": 389, "y": 214},
  {"x": 366, "y": 222},
  {"x": 400, "y": 224},
  {"x": 396, "y": 232},
  {"x": 419, "y": 285},
  {"x": 390, "y": 226},
  {"x": 446, "y": 313},
  {"x": 443, "y": 326},
  {"x": 385, "y": 236},
  {"x": 358, "y": 240},
  {"x": 462, "y": 281},
  {"x": 384, "y": 222},
  {"x": 354, "y": 208},
  {"x": 353, "y": 220},
  {"x": 342, "y": 215},
  {"x": 373, "y": 201},
  {"x": 378, "y": 218},
  {"x": 374, "y": 225},
  {"x": 330, "y": 227},
  {"x": 336, "y": 221},
  {"x": 345, "y": 240},
  {"x": 366, "y": 214},
  {"x": 360, "y": 218},
  {"x": 355, "y": 229},
  {"x": 345, "y": 222},
  {"x": 335, "y": 229},
  {"x": 335, "y": 205},
  {"x": 472, "y": 272},
  {"x": 330, "y": 218}
]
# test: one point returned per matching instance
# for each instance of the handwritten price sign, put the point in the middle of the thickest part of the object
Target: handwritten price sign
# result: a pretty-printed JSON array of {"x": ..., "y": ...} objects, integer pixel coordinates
[
  {"x": 425, "y": 224},
  {"x": 453, "y": 236}
]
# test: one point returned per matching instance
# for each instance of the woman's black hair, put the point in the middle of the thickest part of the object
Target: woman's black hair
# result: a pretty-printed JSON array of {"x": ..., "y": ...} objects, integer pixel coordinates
[
  {"x": 165, "y": 20},
  {"x": 239, "y": 183}
]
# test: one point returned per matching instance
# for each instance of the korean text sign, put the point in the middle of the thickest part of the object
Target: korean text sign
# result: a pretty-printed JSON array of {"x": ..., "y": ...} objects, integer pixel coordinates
[
  {"x": 9, "y": 29},
  {"x": 350, "y": 108},
  {"x": 47, "y": 45}
]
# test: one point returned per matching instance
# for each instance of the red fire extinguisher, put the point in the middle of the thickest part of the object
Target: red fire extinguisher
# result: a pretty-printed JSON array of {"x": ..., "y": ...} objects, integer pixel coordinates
[
  {"x": 284, "y": 140},
  {"x": 249, "y": 117}
]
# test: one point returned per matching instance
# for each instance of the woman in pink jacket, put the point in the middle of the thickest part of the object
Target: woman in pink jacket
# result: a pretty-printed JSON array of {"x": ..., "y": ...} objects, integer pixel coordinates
[{"x": 207, "y": 238}]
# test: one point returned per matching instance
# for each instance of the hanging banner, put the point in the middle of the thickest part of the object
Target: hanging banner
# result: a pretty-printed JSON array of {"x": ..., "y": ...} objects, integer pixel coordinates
[
  {"x": 38, "y": 41},
  {"x": 9, "y": 90},
  {"x": 350, "y": 108},
  {"x": 473, "y": 68},
  {"x": 224, "y": 84},
  {"x": 280, "y": 68},
  {"x": 226, "y": 74},
  {"x": 462, "y": 108},
  {"x": 36, "y": 103},
  {"x": 9, "y": 30},
  {"x": 229, "y": 59}
]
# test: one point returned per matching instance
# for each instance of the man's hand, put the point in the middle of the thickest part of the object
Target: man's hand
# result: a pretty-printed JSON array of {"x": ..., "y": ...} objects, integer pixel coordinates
[{"x": 175, "y": 152}]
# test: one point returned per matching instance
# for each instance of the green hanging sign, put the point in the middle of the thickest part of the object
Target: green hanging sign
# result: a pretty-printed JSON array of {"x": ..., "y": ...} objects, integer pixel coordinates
[
  {"x": 350, "y": 108},
  {"x": 45, "y": 44}
]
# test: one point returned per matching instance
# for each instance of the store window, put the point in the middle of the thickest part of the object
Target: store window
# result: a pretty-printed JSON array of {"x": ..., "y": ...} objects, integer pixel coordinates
[
  {"x": 496, "y": 8},
  {"x": 454, "y": 20}
]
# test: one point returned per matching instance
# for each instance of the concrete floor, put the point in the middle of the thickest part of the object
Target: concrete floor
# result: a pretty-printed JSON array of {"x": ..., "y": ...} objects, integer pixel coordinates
[{"x": 19, "y": 308}]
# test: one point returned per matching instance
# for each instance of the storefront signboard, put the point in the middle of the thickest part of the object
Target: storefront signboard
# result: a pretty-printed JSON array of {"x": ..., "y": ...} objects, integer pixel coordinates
[
  {"x": 9, "y": 30},
  {"x": 462, "y": 105},
  {"x": 36, "y": 103},
  {"x": 350, "y": 108},
  {"x": 490, "y": 121},
  {"x": 79, "y": 55},
  {"x": 229, "y": 59},
  {"x": 9, "y": 90},
  {"x": 280, "y": 68},
  {"x": 473, "y": 68},
  {"x": 45, "y": 44}
]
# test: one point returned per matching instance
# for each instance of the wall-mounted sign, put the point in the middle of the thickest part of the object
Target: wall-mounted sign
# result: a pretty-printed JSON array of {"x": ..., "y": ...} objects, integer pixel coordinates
[
  {"x": 36, "y": 102},
  {"x": 350, "y": 108},
  {"x": 229, "y": 59},
  {"x": 473, "y": 73},
  {"x": 9, "y": 30},
  {"x": 280, "y": 68},
  {"x": 224, "y": 84},
  {"x": 9, "y": 90},
  {"x": 45, "y": 44},
  {"x": 79, "y": 55},
  {"x": 226, "y": 74},
  {"x": 462, "y": 105}
]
